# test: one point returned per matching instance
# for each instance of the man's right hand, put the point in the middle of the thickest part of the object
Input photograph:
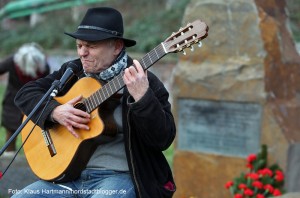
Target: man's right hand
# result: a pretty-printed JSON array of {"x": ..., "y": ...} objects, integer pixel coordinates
[{"x": 70, "y": 117}]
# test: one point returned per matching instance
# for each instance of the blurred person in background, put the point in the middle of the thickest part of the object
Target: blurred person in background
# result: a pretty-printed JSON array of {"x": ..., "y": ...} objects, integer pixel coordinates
[{"x": 26, "y": 64}]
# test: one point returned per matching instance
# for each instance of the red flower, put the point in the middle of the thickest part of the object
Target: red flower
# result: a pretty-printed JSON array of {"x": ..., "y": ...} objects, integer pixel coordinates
[
  {"x": 276, "y": 192},
  {"x": 242, "y": 186},
  {"x": 228, "y": 184},
  {"x": 279, "y": 176},
  {"x": 249, "y": 166},
  {"x": 248, "y": 192},
  {"x": 253, "y": 176},
  {"x": 265, "y": 171},
  {"x": 1, "y": 175},
  {"x": 238, "y": 196},
  {"x": 269, "y": 188},
  {"x": 260, "y": 196},
  {"x": 251, "y": 158},
  {"x": 258, "y": 184}
]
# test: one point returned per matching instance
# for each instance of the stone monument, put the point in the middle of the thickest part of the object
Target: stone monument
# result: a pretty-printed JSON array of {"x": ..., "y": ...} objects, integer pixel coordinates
[{"x": 240, "y": 90}]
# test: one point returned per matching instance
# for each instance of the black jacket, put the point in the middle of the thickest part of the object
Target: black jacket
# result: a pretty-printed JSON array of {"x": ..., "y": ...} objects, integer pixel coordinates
[{"x": 148, "y": 127}]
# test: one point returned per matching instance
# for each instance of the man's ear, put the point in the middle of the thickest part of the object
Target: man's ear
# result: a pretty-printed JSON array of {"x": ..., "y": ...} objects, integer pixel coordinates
[{"x": 119, "y": 44}]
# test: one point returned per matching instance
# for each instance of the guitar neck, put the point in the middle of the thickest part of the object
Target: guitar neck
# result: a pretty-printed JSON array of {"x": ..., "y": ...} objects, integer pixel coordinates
[
  {"x": 117, "y": 83},
  {"x": 153, "y": 56}
]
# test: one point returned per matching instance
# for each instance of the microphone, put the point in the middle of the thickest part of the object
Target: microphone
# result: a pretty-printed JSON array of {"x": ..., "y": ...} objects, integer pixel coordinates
[{"x": 72, "y": 70}]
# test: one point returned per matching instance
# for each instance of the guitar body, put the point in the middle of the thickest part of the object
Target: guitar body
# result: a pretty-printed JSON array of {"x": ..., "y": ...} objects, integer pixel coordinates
[{"x": 72, "y": 153}]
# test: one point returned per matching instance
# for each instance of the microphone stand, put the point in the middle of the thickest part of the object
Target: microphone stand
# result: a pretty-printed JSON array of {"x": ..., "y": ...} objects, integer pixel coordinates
[{"x": 51, "y": 92}]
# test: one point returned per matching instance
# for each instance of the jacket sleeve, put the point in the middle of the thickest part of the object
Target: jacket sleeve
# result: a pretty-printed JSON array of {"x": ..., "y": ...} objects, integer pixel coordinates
[
  {"x": 151, "y": 116},
  {"x": 32, "y": 93},
  {"x": 6, "y": 64}
]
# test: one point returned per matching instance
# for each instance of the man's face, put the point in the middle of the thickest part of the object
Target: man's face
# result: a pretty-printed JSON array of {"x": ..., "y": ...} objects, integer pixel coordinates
[{"x": 97, "y": 56}]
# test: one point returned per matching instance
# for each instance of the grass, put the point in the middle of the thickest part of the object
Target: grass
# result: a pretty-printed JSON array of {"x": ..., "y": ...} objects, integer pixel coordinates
[
  {"x": 169, "y": 154},
  {"x": 2, "y": 130},
  {"x": 2, "y": 140}
]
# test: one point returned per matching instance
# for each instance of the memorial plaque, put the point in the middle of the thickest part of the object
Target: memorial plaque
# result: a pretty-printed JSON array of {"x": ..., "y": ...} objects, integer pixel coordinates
[{"x": 218, "y": 127}]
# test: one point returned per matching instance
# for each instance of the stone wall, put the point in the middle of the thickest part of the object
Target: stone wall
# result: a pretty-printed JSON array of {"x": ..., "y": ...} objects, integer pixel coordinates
[{"x": 248, "y": 58}]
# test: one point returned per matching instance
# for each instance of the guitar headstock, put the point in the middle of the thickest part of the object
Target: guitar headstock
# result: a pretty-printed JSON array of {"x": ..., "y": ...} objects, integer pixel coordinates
[{"x": 186, "y": 37}]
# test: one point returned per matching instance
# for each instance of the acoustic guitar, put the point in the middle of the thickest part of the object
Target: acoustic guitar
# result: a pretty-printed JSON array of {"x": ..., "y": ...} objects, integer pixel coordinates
[{"x": 72, "y": 154}]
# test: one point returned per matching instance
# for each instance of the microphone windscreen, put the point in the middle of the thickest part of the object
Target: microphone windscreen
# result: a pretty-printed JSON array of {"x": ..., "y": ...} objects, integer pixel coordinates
[{"x": 75, "y": 68}]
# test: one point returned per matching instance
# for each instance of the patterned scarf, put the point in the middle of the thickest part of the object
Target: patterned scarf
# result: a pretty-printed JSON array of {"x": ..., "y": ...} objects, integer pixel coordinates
[{"x": 119, "y": 64}]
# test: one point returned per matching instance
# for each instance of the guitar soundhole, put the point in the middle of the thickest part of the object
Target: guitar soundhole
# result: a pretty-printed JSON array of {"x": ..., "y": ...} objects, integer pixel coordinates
[{"x": 80, "y": 106}]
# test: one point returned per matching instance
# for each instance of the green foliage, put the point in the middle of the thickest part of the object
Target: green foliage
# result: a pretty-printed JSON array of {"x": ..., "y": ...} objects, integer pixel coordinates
[
  {"x": 148, "y": 22},
  {"x": 261, "y": 160},
  {"x": 294, "y": 17},
  {"x": 49, "y": 34},
  {"x": 151, "y": 29}
]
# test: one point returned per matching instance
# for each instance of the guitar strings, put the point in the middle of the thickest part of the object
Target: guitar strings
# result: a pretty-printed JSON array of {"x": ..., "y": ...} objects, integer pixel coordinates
[{"x": 117, "y": 83}]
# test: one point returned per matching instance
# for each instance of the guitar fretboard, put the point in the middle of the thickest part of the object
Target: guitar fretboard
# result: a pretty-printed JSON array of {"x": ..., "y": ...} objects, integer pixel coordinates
[{"x": 117, "y": 83}]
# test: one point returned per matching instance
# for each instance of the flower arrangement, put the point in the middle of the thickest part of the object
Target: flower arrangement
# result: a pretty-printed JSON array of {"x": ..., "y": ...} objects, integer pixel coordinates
[{"x": 261, "y": 181}]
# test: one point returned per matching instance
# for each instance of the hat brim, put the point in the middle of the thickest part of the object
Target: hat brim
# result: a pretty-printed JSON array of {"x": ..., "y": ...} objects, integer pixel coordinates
[{"x": 94, "y": 35}]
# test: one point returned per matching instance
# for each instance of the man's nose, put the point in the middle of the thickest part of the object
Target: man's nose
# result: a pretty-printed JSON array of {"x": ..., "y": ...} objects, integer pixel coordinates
[{"x": 83, "y": 51}]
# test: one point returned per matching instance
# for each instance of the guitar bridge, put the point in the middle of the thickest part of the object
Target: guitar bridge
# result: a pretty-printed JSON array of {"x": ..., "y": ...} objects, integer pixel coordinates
[{"x": 49, "y": 142}]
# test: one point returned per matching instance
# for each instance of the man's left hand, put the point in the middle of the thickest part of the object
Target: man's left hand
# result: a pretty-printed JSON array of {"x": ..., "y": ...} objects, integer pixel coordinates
[{"x": 135, "y": 78}]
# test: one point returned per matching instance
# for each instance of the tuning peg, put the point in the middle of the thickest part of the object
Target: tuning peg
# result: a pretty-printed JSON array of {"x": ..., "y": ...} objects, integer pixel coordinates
[
  {"x": 200, "y": 44},
  {"x": 187, "y": 44},
  {"x": 184, "y": 53},
  {"x": 192, "y": 48}
]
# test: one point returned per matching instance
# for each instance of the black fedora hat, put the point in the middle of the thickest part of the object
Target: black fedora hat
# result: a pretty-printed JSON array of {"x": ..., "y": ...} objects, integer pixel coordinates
[{"x": 101, "y": 23}]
